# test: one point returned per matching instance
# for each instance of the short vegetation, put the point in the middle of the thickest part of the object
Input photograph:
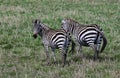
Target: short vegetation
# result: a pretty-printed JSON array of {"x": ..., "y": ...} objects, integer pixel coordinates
[{"x": 22, "y": 56}]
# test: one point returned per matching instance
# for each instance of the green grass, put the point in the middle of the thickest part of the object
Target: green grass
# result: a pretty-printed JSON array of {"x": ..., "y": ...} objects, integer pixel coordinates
[{"x": 21, "y": 56}]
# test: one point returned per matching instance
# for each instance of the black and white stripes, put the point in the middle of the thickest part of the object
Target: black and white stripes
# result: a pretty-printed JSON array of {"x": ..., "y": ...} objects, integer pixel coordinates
[
  {"x": 85, "y": 35},
  {"x": 71, "y": 31},
  {"x": 52, "y": 39}
]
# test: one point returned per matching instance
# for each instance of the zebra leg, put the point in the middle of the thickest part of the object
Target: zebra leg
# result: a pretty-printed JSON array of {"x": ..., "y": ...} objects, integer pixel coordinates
[
  {"x": 64, "y": 56},
  {"x": 47, "y": 54},
  {"x": 94, "y": 47},
  {"x": 96, "y": 53},
  {"x": 80, "y": 49},
  {"x": 99, "y": 43},
  {"x": 73, "y": 46},
  {"x": 53, "y": 54},
  {"x": 98, "y": 47},
  {"x": 77, "y": 48}
]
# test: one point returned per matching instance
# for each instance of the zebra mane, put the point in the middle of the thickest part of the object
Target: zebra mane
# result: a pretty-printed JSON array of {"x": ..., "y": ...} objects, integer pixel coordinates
[
  {"x": 45, "y": 26},
  {"x": 38, "y": 21}
]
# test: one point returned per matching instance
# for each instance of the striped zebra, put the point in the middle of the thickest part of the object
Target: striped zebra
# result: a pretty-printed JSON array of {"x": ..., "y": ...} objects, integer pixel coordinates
[
  {"x": 85, "y": 35},
  {"x": 51, "y": 39}
]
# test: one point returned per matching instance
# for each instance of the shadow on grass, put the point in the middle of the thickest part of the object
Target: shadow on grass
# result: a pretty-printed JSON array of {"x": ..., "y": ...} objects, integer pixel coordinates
[
  {"x": 101, "y": 58},
  {"x": 78, "y": 59},
  {"x": 90, "y": 57},
  {"x": 55, "y": 63}
]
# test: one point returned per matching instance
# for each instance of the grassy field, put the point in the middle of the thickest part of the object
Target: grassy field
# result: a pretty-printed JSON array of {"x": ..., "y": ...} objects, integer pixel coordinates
[{"x": 21, "y": 56}]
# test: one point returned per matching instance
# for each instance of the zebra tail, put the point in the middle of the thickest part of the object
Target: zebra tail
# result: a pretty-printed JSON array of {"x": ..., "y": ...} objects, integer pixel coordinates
[{"x": 104, "y": 40}]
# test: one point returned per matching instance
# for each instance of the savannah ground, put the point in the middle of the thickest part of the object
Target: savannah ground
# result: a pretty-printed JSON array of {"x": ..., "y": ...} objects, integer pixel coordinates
[{"x": 22, "y": 56}]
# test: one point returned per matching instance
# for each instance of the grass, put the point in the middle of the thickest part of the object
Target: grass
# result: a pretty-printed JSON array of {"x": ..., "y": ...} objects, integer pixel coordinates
[{"x": 21, "y": 56}]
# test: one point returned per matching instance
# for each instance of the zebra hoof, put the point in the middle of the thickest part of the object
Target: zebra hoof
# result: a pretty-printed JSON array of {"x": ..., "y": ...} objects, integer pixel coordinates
[
  {"x": 35, "y": 36},
  {"x": 95, "y": 58},
  {"x": 63, "y": 65}
]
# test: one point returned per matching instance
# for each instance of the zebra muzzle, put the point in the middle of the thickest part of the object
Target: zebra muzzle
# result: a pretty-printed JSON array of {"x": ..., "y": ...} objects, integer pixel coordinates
[{"x": 35, "y": 36}]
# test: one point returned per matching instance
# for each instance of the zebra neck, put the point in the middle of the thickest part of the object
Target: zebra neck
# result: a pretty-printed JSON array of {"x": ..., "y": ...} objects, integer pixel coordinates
[
  {"x": 42, "y": 33},
  {"x": 45, "y": 27}
]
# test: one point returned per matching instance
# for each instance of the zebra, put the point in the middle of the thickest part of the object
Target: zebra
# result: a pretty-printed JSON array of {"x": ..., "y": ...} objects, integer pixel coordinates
[
  {"x": 52, "y": 39},
  {"x": 85, "y": 35}
]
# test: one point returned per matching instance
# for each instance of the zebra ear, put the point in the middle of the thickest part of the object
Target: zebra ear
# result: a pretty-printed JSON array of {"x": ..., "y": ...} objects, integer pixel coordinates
[{"x": 36, "y": 21}]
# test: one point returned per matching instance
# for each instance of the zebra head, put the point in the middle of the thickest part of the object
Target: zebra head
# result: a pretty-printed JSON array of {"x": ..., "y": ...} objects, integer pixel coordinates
[{"x": 37, "y": 28}]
